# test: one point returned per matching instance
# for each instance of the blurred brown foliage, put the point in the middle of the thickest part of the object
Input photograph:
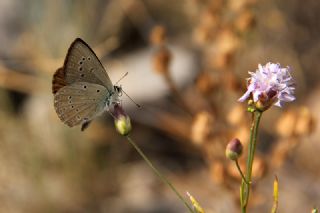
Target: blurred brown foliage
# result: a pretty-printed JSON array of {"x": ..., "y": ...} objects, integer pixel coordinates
[{"x": 45, "y": 166}]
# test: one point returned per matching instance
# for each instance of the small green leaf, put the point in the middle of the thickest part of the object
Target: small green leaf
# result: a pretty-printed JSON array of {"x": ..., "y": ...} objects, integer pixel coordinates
[
  {"x": 275, "y": 195},
  {"x": 195, "y": 204}
]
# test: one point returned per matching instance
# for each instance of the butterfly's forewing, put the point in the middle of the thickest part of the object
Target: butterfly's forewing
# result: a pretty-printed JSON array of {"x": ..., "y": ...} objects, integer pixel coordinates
[
  {"x": 82, "y": 65},
  {"x": 80, "y": 102}
]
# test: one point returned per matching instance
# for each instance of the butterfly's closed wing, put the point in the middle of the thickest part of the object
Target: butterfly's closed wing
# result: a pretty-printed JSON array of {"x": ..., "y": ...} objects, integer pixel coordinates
[
  {"x": 82, "y": 65},
  {"x": 80, "y": 102}
]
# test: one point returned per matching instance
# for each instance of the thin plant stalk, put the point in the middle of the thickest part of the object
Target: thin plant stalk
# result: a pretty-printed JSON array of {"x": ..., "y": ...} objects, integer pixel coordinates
[
  {"x": 156, "y": 171},
  {"x": 240, "y": 171},
  {"x": 245, "y": 187}
]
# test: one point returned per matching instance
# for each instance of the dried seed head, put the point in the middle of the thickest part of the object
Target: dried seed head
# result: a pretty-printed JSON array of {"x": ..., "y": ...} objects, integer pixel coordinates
[
  {"x": 158, "y": 35},
  {"x": 231, "y": 82},
  {"x": 286, "y": 124},
  {"x": 239, "y": 5},
  {"x": 205, "y": 83},
  {"x": 259, "y": 167},
  {"x": 281, "y": 150},
  {"x": 218, "y": 172},
  {"x": 161, "y": 60},
  {"x": 234, "y": 149},
  {"x": 202, "y": 127},
  {"x": 305, "y": 122},
  {"x": 202, "y": 34},
  {"x": 237, "y": 115},
  {"x": 227, "y": 41},
  {"x": 221, "y": 60},
  {"x": 245, "y": 21}
]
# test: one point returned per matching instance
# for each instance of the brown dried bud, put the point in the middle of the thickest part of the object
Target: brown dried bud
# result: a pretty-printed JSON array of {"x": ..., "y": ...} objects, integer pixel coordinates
[
  {"x": 286, "y": 124},
  {"x": 237, "y": 115},
  {"x": 230, "y": 81},
  {"x": 245, "y": 21},
  {"x": 218, "y": 172},
  {"x": 205, "y": 83},
  {"x": 158, "y": 35},
  {"x": 281, "y": 150},
  {"x": 209, "y": 19},
  {"x": 202, "y": 35},
  {"x": 161, "y": 60},
  {"x": 305, "y": 122},
  {"x": 227, "y": 42},
  {"x": 259, "y": 167},
  {"x": 202, "y": 127},
  {"x": 234, "y": 149}
]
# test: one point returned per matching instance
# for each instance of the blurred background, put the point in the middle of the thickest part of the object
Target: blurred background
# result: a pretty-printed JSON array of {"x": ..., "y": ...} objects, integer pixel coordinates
[{"x": 187, "y": 62}]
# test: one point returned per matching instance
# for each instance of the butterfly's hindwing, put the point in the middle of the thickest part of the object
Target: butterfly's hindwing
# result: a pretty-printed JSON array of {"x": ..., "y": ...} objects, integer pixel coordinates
[
  {"x": 80, "y": 102},
  {"x": 82, "y": 65}
]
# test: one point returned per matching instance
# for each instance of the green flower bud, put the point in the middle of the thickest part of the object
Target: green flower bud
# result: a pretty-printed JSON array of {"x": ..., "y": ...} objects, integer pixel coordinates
[
  {"x": 122, "y": 120},
  {"x": 234, "y": 149}
]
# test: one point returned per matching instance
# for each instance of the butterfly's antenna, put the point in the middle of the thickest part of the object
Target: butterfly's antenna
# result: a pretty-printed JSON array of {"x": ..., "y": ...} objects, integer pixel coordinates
[
  {"x": 131, "y": 99},
  {"x": 122, "y": 77}
]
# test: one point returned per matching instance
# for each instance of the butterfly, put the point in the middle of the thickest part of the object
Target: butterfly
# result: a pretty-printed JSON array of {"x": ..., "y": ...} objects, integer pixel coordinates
[{"x": 82, "y": 88}]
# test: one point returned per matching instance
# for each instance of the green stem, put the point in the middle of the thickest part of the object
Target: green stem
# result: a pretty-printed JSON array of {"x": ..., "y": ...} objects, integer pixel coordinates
[
  {"x": 240, "y": 171},
  {"x": 245, "y": 188},
  {"x": 162, "y": 178}
]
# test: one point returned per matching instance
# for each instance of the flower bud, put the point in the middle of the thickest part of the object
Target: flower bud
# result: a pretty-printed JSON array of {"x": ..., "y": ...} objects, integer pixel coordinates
[
  {"x": 121, "y": 120},
  {"x": 234, "y": 149}
]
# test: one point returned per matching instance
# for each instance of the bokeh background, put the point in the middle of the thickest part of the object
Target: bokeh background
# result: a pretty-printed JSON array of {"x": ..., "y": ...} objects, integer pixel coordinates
[{"x": 187, "y": 62}]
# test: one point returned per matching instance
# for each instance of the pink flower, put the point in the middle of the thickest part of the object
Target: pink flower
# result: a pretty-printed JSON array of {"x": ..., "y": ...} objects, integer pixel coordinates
[{"x": 270, "y": 84}]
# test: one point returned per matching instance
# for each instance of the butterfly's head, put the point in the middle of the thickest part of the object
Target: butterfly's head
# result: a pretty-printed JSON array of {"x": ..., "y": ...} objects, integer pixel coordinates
[{"x": 118, "y": 90}]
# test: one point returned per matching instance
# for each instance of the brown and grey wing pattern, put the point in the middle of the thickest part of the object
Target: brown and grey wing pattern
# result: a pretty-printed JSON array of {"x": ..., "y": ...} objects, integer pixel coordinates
[
  {"x": 80, "y": 102},
  {"x": 82, "y": 65}
]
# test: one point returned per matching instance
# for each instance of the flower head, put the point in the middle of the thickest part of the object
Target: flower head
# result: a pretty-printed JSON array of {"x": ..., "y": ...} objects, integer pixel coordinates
[
  {"x": 234, "y": 149},
  {"x": 270, "y": 84},
  {"x": 121, "y": 120}
]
